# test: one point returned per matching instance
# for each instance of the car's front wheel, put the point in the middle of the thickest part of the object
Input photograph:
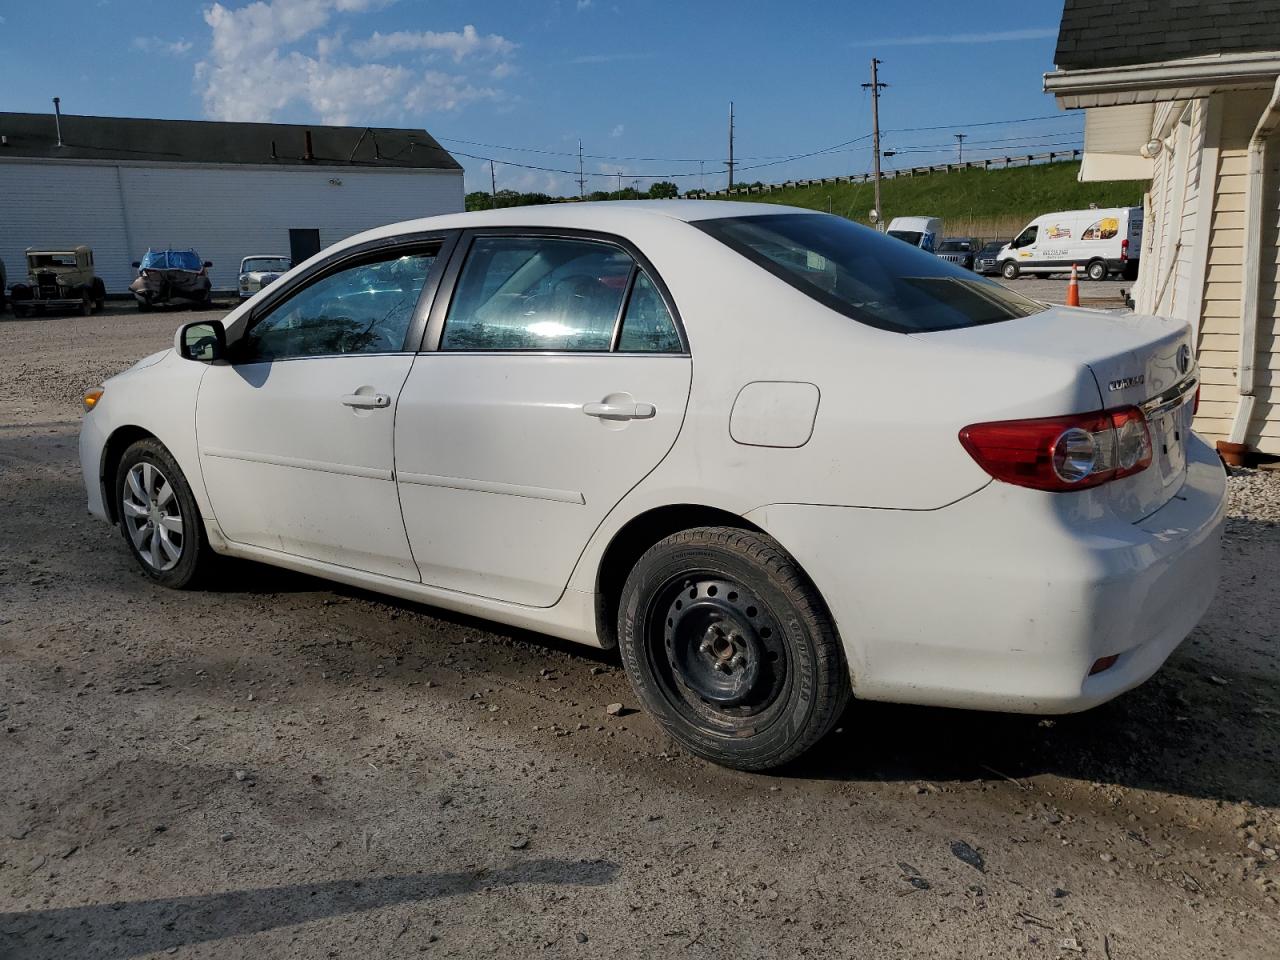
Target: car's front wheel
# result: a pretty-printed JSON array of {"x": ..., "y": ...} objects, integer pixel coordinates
[
  {"x": 159, "y": 517},
  {"x": 727, "y": 643},
  {"x": 1009, "y": 270}
]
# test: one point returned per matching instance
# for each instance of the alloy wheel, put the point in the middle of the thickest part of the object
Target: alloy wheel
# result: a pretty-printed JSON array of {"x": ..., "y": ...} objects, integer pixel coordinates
[{"x": 152, "y": 516}]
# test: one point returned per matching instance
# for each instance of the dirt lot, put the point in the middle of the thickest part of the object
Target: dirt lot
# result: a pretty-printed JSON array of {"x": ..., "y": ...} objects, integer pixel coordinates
[{"x": 284, "y": 768}]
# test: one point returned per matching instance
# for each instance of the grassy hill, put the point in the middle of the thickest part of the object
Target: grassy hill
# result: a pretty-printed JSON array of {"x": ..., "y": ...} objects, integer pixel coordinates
[{"x": 984, "y": 203}]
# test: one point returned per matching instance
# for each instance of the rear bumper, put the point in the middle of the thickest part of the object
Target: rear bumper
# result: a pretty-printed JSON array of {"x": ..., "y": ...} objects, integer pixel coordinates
[{"x": 1004, "y": 600}]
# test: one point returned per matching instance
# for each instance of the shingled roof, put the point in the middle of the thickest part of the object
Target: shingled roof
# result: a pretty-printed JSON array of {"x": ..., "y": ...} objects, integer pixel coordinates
[
  {"x": 1115, "y": 33},
  {"x": 202, "y": 141}
]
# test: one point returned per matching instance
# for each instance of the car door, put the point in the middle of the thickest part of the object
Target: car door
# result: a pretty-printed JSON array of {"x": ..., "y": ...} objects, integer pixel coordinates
[
  {"x": 555, "y": 377},
  {"x": 296, "y": 432}
]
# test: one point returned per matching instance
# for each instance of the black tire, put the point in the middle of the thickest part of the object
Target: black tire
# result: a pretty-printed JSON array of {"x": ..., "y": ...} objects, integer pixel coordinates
[
  {"x": 1096, "y": 270},
  {"x": 20, "y": 311},
  {"x": 143, "y": 306},
  {"x": 194, "y": 556},
  {"x": 86, "y": 302},
  {"x": 728, "y": 644},
  {"x": 99, "y": 295},
  {"x": 1009, "y": 270}
]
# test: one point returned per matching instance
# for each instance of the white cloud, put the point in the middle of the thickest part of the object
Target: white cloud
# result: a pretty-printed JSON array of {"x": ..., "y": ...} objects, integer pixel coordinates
[
  {"x": 260, "y": 62},
  {"x": 1035, "y": 33},
  {"x": 583, "y": 4},
  {"x": 465, "y": 44},
  {"x": 502, "y": 70},
  {"x": 168, "y": 48},
  {"x": 617, "y": 131}
]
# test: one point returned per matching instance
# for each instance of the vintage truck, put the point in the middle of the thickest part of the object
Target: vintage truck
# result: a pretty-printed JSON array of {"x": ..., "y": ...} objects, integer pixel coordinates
[{"x": 59, "y": 279}]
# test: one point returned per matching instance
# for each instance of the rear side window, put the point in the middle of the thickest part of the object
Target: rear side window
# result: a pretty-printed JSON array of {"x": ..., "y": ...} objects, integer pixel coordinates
[
  {"x": 555, "y": 294},
  {"x": 867, "y": 276}
]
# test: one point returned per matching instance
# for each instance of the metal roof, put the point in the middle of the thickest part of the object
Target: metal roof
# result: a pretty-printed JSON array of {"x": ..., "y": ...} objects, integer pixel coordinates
[
  {"x": 34, "y": 135},
  {"x": 1114, "y": 33}
]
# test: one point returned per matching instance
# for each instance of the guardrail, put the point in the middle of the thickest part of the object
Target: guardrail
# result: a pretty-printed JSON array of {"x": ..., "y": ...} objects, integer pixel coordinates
[{"x": 992, "y": 163}]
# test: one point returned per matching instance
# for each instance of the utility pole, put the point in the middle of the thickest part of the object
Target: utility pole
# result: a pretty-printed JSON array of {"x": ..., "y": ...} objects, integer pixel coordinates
[
  {"x": 876, "y": 86},
  {"x": 960, "y": 138},
  {"x": 582, "y": 181},
  {"x": 619, "y": 184},
  {"x": 730, "y": 144},
  {"x": 493, "y": 187}
]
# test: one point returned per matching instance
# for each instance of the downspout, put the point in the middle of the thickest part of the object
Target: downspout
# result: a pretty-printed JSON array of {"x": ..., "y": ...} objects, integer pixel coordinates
[{"x": 1251, "y": 281}]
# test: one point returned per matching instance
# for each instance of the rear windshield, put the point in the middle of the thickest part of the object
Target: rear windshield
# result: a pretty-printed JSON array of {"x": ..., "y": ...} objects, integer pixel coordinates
[
  {"x": 866, "y": 275},
  {"x": 907, "y": 236}
]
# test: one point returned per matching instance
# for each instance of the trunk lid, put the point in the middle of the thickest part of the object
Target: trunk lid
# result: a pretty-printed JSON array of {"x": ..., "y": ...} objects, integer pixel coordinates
[{"x": 1133, "y": 360}]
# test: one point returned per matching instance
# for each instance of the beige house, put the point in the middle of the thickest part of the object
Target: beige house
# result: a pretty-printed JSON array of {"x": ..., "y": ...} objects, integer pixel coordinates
[{"x": 1187, "y": 96}]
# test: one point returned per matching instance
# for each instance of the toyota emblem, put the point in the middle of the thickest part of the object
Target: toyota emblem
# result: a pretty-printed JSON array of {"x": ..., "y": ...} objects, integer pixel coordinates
[{"x": 1184, "y": 358}]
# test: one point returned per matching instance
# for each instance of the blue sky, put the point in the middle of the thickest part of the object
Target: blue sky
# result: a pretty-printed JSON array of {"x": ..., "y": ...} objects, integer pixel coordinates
[{"x": 631, "y": 78}]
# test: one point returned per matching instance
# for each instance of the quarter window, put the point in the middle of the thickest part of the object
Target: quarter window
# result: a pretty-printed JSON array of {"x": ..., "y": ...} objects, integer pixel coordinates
[
  {"x": 538, "y": 293},
  {"x": 365, "y": 308},
  {"x": 647, "y": 326}
]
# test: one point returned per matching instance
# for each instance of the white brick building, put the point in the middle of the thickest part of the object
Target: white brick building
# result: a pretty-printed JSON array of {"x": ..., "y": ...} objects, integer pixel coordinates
[{"x": 228, "y": 190}]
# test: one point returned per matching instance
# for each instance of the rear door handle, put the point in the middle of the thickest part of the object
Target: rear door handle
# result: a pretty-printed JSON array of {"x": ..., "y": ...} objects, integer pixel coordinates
[
  {"x": 619, "y": 411},
  {"x": 367, "y": 401}
]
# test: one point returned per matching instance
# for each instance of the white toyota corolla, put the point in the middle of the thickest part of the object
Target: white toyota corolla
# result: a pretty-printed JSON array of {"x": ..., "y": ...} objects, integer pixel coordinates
[{"x": 777, "y": 458}]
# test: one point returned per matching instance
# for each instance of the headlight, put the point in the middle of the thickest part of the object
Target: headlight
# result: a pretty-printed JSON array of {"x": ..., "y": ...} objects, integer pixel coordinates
[{"x": 91, "y": 398}]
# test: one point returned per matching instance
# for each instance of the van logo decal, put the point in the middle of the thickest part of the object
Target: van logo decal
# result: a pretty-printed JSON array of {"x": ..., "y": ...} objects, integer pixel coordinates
[{"x": 1124, "y": 383}]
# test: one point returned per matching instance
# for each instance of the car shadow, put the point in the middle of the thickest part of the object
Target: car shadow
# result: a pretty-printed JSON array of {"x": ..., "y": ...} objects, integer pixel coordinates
[{"x": 129, "y": 929}]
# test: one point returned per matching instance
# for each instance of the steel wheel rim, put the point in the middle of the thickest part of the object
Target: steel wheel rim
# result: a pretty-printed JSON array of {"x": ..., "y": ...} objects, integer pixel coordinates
[
  {"x": 719, "y": 654},
  {"x": 152, "y": 516}
]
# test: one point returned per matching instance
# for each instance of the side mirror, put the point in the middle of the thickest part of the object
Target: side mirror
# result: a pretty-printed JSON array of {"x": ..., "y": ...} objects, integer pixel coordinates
[
  {"x": 208, "y": 264},
  {"x": 137, "y": 264},
  {"x": 204, "y": 341}
]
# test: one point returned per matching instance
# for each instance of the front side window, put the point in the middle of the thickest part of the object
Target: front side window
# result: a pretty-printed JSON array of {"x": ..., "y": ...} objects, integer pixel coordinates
[
  {"x": 537, "y": 293},
  {"x": 867, "y": 276},
  {"x": 1027, "y": 237},
  {"x": 364, "y": 308}
]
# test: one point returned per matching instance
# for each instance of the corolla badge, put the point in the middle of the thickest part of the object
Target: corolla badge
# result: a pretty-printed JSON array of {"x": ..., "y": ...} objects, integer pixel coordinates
[
  {"x": 1184, "y": 358},
  {"x": 1124, "y": 383}
]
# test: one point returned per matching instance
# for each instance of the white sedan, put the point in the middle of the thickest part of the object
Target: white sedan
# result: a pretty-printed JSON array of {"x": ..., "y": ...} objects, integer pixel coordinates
[{"x": 776, "y": 458}]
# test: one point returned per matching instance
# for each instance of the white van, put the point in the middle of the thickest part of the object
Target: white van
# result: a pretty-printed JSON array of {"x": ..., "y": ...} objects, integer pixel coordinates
[
  {"x": 1101, "y": 242},
  {"x": 922, "y": 232}
]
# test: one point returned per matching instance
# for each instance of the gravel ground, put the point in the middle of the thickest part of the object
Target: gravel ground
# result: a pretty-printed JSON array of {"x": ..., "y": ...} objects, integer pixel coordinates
[
  {"x": 1108, "y": 294},
  {"x": 281, "y": 767}
]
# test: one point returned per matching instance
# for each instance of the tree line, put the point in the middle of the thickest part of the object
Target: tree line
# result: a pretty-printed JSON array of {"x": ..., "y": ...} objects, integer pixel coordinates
[{"x": 481, "y": 200}]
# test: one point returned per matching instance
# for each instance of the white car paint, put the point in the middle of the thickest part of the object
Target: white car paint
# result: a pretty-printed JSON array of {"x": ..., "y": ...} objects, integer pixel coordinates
[
  {"x": 927, "y": 229},
  {"x": 946, "y": 586}
]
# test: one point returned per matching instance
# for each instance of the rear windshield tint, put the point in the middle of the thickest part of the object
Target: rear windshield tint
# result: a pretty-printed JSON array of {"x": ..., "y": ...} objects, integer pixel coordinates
[{"x": 867, "y": 276}]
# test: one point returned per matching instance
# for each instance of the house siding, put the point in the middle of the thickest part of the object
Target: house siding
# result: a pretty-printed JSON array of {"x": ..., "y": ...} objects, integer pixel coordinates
[
  {"x": 224, "y": 212},
  {"x": 1219, "y": 340}
]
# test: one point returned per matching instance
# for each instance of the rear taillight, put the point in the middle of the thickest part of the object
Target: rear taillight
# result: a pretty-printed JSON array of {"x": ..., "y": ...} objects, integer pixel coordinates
[
  {"x": 1062, "y": 453},
  {"x": 1124, "y": 249}
]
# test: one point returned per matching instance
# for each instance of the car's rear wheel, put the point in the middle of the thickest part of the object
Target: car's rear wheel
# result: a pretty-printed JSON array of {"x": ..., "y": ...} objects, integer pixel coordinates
[
  {"x": 159, "y": 517},
  {"x": 1097, "y": 270},
  {"x": 727, "y": 643},
  {"x": 1009, "y": 270}
]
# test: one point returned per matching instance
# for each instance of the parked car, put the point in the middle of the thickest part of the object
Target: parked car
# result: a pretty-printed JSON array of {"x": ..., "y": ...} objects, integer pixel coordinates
[
  {"x": 259, "y": 270},
  {"x": 914, "y": 490},
  {"x": 166, "y": 276},
  {"x": 922, "y": 232},
  {"x": 59, "y": 279},
  {"x": 1102, "y": 242},
  {"x": 987, "y": 261},
  {"x": 958, "y": 250}
]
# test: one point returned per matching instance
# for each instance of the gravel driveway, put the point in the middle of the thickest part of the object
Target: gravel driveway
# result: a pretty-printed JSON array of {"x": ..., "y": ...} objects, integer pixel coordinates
[{"x": 281, "y": 767}]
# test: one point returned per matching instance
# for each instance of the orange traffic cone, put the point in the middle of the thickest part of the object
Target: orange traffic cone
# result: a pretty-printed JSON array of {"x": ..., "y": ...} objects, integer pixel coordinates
[{"x": 1073, "y": 288}]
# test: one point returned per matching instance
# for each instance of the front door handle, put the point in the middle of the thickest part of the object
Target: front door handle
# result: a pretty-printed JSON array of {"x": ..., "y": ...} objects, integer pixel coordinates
[
  {"x": 619, "y": 411},
  {"x": 367, "y": 401}
]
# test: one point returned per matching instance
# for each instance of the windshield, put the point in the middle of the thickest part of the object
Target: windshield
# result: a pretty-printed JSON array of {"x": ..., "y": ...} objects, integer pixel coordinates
[
  {"x": 39, "y": 261},
  {"x": 954, "y": 246},
  {"x": 171, "y": 260},
  {"x": 995, "y": 246},
  {"x": 907, "y": 236},
  {"x": 864, "y": 275},
  {"x": 266, "y": 265}
]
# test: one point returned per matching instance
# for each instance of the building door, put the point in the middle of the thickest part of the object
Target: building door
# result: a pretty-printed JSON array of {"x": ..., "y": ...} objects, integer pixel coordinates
[{"x": 303, "y": 244}]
